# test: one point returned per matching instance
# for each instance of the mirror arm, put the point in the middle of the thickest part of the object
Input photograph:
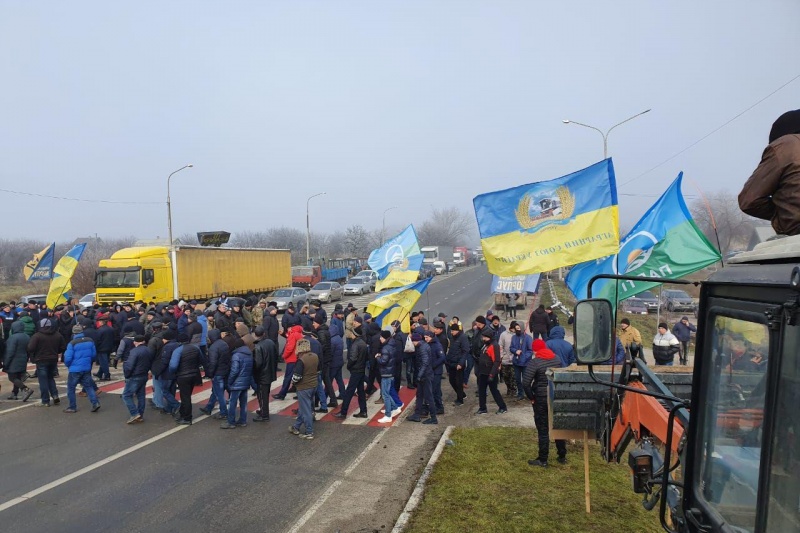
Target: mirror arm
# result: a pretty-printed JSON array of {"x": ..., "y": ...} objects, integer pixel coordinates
[{"x": 637, "y": 278}]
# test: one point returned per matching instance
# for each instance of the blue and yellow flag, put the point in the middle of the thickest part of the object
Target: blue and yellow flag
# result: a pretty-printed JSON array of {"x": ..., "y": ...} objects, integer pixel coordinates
[
  {"x": 665, "y": 243},
  {"x": 398, "y": 261},
  {"x": 549, "y": 224},
  {"x": 61, "y": 283},
  {"x": 404, "y": 273},
  {"x": 41, "y": 266},
  {"x": 397, "y": 304}
]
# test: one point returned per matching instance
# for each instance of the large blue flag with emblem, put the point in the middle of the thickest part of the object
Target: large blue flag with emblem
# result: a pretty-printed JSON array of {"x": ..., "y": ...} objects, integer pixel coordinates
[
  {"x": 398, "y": 261},
  {"x": 549, "y": 224},
  {"x": 665, "y": 243}
]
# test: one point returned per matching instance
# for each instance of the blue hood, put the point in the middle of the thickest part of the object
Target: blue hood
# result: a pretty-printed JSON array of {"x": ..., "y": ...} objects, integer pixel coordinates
[{"x": 557, "y": 333}]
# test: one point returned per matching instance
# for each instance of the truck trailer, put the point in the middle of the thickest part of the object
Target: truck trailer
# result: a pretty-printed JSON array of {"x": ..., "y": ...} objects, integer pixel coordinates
[
  {"x": 157, "y": 274},
  {"x": 436, "y": 253}
]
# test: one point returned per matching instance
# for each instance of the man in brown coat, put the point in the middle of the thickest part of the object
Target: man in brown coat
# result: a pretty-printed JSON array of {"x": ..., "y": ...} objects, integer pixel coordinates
[
  {"x": 305, "y": 380},
  {"x": 773, "y": 191}
]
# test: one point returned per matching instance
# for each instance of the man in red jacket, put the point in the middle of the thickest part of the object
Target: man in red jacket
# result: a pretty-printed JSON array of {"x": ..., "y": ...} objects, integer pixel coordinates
[{"x": 290, "y": 358}]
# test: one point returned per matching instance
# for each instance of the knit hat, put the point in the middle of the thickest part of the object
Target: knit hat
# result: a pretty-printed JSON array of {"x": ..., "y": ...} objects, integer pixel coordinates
[
  {"x": 303, "y": 345},
  {"x": 663, "y": 325},
  {"x": 318, "y": 318},
  {"x": 787, "y": 124},
  {"x": 625, "y": 321},
  {"x": 480, "y": 320},
  {"x": 183, "y": 337},
  {"x": 367, "y": 316},
  {"x": 429, "y": 334},
  {"x": 77, "y": 329},
  {"x": 139, "y": 338},
  {"x": 386, "y": 334},
  {"x": 169, "y": 335},
  {"x": 487, "y": 332},
  {"x": 358, "y": 319},
  {"x": 416, "y": 337},
  {"x": 45, "y": 323}
]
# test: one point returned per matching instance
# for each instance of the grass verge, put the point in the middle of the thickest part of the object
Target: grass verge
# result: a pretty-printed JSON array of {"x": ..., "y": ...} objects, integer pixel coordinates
[{"x": 484, "y": 483}]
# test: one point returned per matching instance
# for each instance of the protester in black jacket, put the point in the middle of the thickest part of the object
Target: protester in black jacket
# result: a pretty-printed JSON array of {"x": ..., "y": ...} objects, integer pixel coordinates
[
  {"x": 218, "y": 368},
  {"x": 265, "y": 371},
  {"x": 457, "y": 361},
  {"x": 135, "y": 369},
  {"x": 539, "y": 323},
  {"x": 271, "y": 325},
  {"x": 536, "y": 387},
  {"x": 324, "y": 338},
  {"x": 356, "y": 363}
]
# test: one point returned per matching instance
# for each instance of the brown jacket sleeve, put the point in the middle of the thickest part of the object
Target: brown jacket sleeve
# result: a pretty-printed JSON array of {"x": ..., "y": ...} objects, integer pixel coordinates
[{"x": 756, "y": 196}]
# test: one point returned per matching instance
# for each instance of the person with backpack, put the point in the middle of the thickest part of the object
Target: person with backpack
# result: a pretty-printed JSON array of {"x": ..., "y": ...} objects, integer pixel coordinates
[
  {"x": 135, "y": 369},
  {"x": 79, "y": 358}
]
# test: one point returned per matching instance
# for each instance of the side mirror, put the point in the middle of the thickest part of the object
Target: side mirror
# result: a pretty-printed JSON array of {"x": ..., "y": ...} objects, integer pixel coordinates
[{"x": 593, "y": 321}]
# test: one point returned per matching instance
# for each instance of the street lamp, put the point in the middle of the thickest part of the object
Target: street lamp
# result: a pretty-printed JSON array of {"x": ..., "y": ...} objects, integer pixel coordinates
[
  {"x": 605, "y": 135},
  {"x": 383, "y": 225},
  {"x": 308, "y": 229},
  {"x": 169, "y": 205},
  {"x": 173, "y": 257}
]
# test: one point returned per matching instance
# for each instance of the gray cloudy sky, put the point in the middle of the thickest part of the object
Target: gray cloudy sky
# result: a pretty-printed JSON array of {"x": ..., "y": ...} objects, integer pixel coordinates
[{"x": 412, "y": 103}]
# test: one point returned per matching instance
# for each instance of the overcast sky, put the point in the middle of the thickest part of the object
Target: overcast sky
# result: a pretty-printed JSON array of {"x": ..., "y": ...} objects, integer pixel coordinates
[{"x": 378, "y": 104}]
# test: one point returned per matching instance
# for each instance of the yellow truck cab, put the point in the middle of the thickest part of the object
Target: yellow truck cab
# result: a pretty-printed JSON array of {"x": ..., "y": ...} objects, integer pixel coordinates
[{"x": 146, "y": 273}]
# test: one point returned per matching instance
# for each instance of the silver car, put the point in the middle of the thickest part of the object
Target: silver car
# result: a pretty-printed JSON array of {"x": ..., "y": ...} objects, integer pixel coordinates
[
  {"x": 357, "y": 285},
  {"x": 370, "y": 275},
  {"x": 325, "y": 291},
  {"x": 295, "y": 295}
]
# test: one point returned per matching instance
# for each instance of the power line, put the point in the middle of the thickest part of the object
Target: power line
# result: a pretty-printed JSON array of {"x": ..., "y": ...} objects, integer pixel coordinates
[
  {"x": 22, "y": 193},
  {"x": 712, "y": 132}
]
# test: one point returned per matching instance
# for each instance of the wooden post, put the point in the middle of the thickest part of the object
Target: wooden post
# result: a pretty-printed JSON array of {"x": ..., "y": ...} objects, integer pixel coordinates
[{"x": 586, "y": 471}]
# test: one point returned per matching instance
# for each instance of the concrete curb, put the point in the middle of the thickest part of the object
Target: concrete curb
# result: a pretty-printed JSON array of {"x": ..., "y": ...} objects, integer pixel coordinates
[{"x": 419, "y": 489}]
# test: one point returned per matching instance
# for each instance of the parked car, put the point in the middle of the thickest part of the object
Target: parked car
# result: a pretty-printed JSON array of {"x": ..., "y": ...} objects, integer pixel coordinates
[
  {"x": 88, "y": 300},
  {"x": 326, "y": 291},
  {"x": 426, "y": 271},
  {"x": 451, "y": 267},
  {"x": 650, "y": 300},
  {"x": 38, "y": 298},
  {"x": 357, "y": 285},
  {"x": 676, "y": 300},
  {"x": 440, "y": 267},
  {"x": 369, "y": 275},
  {"x": 295, "y": 295},
  {"x": 211, "y": 304},
  {"x": 634, "y": 306}
]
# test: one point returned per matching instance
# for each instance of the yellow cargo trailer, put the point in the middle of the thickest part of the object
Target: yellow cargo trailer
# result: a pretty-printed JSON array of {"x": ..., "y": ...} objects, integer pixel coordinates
[{"x": 146, "y": 273}]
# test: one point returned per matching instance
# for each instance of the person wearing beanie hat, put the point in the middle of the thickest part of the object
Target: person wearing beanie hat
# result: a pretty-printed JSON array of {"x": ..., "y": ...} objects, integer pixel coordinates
[
  {"x": 305, "y": 379},
  {"x": 521, "y": 349},
  {"x": 683, "y": 332},
  {"x": 45, "y": 348},
  {"x": 773, "y": 191},
  {"x": 631, "y": 339},
  {"x": 385, "y": 360},
  {"x": 184, "y": 364},
  {"x": 265, "y": 364},
  {"x": 135, "y": 369},
  {"x": 423, "y": 360},
  {"x": 272, "y": 328},
  {"x": 357, "y": 355},
  {"x": 488, "y": 370},
  {"x": 458, "y": 353},
  {"x": 665, "y": 346},
  {"x": 78, "y": 358},
  {"x": 535, "y": 385}
]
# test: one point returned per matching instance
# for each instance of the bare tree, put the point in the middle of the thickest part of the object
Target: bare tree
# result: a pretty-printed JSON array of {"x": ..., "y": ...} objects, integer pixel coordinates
[
  {"x": 357, "y": 241},
  {"x": 448, "y": 226},
  {"x": 733, "y": 226}
]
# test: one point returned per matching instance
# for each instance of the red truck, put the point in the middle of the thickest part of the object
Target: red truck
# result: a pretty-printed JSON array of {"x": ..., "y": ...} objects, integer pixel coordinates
[{"x": 462, "y": 256}]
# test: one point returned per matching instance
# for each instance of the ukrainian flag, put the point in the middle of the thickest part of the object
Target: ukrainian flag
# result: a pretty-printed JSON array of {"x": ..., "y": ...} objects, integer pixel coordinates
[
  {"x": 61, "y": 283},
  {"x": 549, "y": 224},
  {"x": 405, "y": 272},
  {"x": 397, "y": 304}
]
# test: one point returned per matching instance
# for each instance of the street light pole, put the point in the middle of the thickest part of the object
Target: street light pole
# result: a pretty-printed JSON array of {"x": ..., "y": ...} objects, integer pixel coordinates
[
  {"x": 607, "y": 132},
  {"x": 308, "y": 229},
  {"x": 383, "y": 225},
  {"x": 172, "y": 253}
]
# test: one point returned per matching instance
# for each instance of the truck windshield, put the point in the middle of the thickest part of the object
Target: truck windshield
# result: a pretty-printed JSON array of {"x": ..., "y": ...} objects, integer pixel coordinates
[
  {"x": 733, "y": 417},
  {"x": 302, "y": 271},
  {"x": 117, "y": 278},
  {"x": 429, "y": 254}
]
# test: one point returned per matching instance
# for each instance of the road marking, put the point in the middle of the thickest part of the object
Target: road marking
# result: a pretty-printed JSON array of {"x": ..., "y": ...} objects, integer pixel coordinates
[
  {"x": 23, "y": 406},
  {"x": 437, "y": 303},
  {"x": 335, "y": 485},
  {"x": 78, "y": 473}
]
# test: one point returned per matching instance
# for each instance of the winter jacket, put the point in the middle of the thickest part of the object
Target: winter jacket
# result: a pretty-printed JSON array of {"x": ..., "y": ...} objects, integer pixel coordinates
[
  {"x": 203, "y": 321},
  {"x": 185, "y": 363},
  {"x": 539, "y": 321},
  {"x": 290, "y": 320},
  {"x": 683, "y": 332},
  {"x": 183, "y": 323},
  {"x": 306, "y": 322},
  {"x": 560, "y": 347},
  {"x": 295, "y": 333},
  {"x": 665, "y": 347},
  {"x": 504, "y": 342},
  {"x": 534, "y": 378},
  {"x": 386, "y": 360},
  {"x": 271, "y": 328},
  {"x": 166, "y": 357},
  {"x": 133, "y": 325},
  {"x": 459, "y": 351},
  {"x": 357, "y": 356},
  {"x": 316, "y": 347},
  {"x": 80, "y": 353},
  {"x": 321, "y": 313},
  {"x": 522, "y": 343},
  {"x": 64, "y": 324},
  {"x": 335, "y": 322},
  {"x": 265, "y": 362},
  {"x": 773, "y": 191},
  {"x": 349, "y": 326},
  {"x": 125, "y": 346},
  {"x": 337, "y": 346},
  {"x": 424, "y": 361},
  {"x": 489, "y": 360},
  {"x": 629, "y": 336},
  {"x": 324, "y": 337},
  {"x": 219, "y": 356},
  {"x": 104, "y": 339},
  {"x": 16, "y": 358},
  {"x": 138, "y": 362},
  {"x": 438, "y": 357},
  {"x": 619, "y": 354},
  {"x": 195, "y": 332},
  {"x": 30, "y": 327},
  {"x": 241, "y": 372},
  {"x": 305, "y": 371},
  {"x": 45, "y": 346}
]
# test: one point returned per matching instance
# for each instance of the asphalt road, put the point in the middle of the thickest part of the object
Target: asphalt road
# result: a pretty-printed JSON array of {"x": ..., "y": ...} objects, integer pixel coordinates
[{"x": 92, "y": 472}]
